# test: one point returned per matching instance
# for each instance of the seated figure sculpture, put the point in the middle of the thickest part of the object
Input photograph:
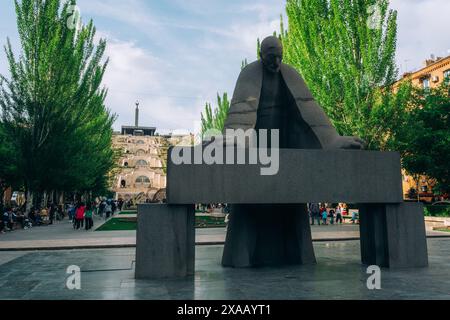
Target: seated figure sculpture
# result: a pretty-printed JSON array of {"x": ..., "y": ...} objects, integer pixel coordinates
[{"x": 272, "y": 95}]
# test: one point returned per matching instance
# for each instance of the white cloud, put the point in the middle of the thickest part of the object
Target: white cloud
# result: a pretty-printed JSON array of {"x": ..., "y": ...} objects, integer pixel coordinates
[
  {"x": 422, "y": 30},
  {"x": 135, "y": 74},
  {"x": 173, "y": 89},
  {"x": 175, "y": 61},
  {"x": 132, "y": 12}
]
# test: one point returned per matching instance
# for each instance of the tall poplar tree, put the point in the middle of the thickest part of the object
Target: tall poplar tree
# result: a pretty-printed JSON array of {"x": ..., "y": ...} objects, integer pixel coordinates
[
  {"x": 423, "y": 135},
  {"x": 345, "y": 50},
  {"x": 53, "y": 103},
  {"x": 214, "y": 119}
]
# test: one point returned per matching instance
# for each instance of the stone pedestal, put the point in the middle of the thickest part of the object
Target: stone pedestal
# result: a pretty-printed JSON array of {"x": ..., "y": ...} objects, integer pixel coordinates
[
  {"x": 393, "y": 235},
  {"x": 165, "y": 244},
  {"x": 268, "y": 235},
  {"x": 303, "y": 177}
]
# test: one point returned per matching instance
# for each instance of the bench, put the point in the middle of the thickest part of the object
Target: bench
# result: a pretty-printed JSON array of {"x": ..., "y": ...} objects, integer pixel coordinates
[{"x": 392, "y": 232}]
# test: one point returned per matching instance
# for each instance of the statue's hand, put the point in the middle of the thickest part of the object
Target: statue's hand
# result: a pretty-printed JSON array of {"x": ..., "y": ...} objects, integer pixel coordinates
[{"x": 353, "y": 143}]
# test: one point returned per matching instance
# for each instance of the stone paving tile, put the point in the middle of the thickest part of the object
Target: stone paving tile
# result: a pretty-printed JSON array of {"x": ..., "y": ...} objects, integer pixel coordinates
[
  {"x": 12, "y": 284},
  {"x": 15, "y": 294},
  {"x": 338, "y": 275},
  {"x": 65, "y": 239},
  {"x": 100, "y": 294},
  {"x": 143, "y": 293},
  {"x": 133, "y": 283},
  {"x": 103, "y": 294},
  {"x": 182, "y": 295},
  {"x": 220, "y": 294}
]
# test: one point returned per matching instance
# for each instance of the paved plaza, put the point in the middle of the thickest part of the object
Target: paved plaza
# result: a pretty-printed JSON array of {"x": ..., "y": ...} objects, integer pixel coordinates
[
  {"x": 109, "y": 274},
  {"x": 62, "y": 236},
  {"x": 106, "y": 260}
]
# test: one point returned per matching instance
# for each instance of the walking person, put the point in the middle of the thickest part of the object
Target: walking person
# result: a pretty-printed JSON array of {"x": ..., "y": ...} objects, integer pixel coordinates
[
  {"x": 88, "y": 220},
  {"x": 354, "y": 217},
  {"x": 72, "y": 213},
  {"x": 331, "y": 216},
  {"x": 79, "y": 216},
  {"x": 314, "y": 208},
  {"x": 101, "y": 208},
  {"x": 324, "y": 216},
  {"x": 52, "y": 213},
  {"x": 338, "y": 215},
  {"x": 59, "y": 213},
  {"x": 108, "y": 209},
  {"x": 113, "y": 207}
]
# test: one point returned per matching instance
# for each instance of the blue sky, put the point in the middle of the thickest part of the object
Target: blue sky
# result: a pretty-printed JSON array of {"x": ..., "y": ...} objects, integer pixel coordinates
[{"x": 175, "y": 55}]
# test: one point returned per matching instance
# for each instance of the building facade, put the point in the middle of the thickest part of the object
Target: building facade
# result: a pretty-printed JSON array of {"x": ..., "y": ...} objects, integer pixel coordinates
[
  {"x": 141, "y": 172},
  {"x": 435, "y": 71}
]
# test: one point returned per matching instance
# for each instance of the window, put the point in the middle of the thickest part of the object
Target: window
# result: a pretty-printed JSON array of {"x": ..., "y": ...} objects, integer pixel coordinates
[
  {"x": 142, "y": 163},
  {"x": 125, "y": 164},
  {"x": 123, "y": 184},
  {"x": 140, "y": 152},
  {"x": 426, "y": 83},
  {"x": 447, "y": 74},
  {"x": 143, "y": 179}
]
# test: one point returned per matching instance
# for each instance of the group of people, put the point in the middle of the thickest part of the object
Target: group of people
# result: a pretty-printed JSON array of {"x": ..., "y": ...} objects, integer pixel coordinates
[
  {"x": 224, "y": 208},
  {"x": 80, "y": 214},
  {"x": 323, "y": 215},
  {"x": 14, "y": 217},
  {"x": 46, "y": 215}
]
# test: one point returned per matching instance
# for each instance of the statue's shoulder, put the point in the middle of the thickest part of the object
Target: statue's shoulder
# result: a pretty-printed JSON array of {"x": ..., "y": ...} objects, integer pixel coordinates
[
  {"x": 295, "y": 82},
  {"x": 252, "y": 68},
  {"x": 253, "y": 65},
  {"x": 287, "y": 69},
  {"x": 249, "y": 81}
]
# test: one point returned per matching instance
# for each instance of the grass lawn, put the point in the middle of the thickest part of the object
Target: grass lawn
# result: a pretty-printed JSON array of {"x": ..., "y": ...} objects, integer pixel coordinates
[
  {"x": 128, "y": 212},
  {"x": 209, "y": 222},
  {"x": 437, "y": 211},
  {"x": 443, "y": 230},
  {"x": 118, "y": 224}
]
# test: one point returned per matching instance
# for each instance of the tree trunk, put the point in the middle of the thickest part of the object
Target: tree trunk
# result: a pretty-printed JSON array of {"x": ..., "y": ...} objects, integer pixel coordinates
[
  {"x": 2, "y": 195},
  {"x": 61, "y": 198},
  {"x": 43, "y": 203},
  {"x": 418, "y": 189},
  {"x": 29, "y": 200}
]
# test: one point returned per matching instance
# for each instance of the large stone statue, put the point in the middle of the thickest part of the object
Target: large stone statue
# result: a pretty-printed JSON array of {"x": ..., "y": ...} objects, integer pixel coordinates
[{"x": 272, "y": 95}]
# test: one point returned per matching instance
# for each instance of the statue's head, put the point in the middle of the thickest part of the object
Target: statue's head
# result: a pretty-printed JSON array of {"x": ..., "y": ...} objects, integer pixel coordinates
[{"x": 272, "y": 54}]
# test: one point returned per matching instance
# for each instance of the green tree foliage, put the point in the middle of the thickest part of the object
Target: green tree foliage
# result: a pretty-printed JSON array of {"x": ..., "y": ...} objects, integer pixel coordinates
[
  {"x": 52, "y": 106},
  {"x": 215, "y": 119},
  {"x": 8, "y": 159},
  {"x": 244, "y": 64},
  {"x": 423, "y": 135},
  {"x": 8, "y": 167},
  {"x": 345, "y": 50}
]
